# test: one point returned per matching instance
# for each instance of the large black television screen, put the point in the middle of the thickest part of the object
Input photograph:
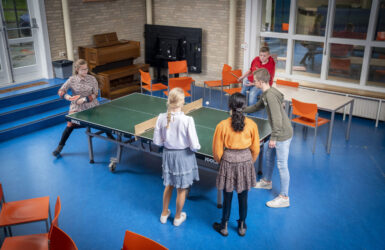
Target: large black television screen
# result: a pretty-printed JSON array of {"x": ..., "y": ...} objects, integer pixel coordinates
[{"x": 171, "y": 43}]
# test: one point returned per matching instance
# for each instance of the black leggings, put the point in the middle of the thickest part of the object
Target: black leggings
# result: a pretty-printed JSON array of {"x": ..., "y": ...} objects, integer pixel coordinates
[
  {"x": 66, "y": 133},
  {"x": 242, "y": 201}
]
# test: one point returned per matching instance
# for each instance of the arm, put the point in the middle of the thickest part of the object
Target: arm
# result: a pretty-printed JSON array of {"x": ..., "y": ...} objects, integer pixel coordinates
[
  {"x": 276, "y": 117},
  {"x": 218, "y": 143},
  {"x": 255, "y": 142},
  {"x": 94, "y": 93},
  {"x": 193, "y": 137},
  {"x": 246, "y": 74},
  {"x": 254, "y": 108},
  {"x": 157, "y": 133},
  {"x": 63, "y": 91}
]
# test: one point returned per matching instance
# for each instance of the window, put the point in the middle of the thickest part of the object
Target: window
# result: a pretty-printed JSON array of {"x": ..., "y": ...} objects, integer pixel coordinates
[
  {"x": 311, "y": 17},
  {"x": 307, "y": 58},
  {"x": 377, "y": 68},
  {"x": 380, "y": 29},
  {"x": 275, "y": 16},
  {"x": 351, "y": 19},
  {"x": 345, "y": 62}
]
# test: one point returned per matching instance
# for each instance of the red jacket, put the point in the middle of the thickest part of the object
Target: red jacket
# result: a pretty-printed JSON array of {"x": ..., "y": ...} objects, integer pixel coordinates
[{"x": 256, "y": 63}]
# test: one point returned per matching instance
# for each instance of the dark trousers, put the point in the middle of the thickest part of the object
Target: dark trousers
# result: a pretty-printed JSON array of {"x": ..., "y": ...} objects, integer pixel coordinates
[
  {"x": 242, "y": 201},
  {"x": 67, "y": 132}
]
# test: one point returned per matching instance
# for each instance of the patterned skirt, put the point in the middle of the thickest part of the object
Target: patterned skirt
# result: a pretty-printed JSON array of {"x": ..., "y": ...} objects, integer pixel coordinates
[
  {"x": 236, "y": 171},
  {"x": 179, "y": 167}
]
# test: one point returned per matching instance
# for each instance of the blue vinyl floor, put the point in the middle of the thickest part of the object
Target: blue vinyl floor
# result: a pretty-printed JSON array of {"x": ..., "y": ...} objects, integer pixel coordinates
[{"x": 337, "y": 200}]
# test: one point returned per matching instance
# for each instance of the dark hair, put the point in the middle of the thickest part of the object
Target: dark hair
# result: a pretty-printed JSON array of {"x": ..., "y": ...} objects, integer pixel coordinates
[{"x": 237, "y": 104}]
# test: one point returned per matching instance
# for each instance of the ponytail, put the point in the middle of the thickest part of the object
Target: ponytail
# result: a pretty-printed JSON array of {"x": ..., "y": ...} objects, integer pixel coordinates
[
  {"x": 237, "y": 103},
  {"x": 168, "y": 119}
]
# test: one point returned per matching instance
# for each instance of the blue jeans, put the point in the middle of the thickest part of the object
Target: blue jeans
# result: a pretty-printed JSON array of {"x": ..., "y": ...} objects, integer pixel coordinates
[
  {"x": 254, "y": 92},
  {"x": 281, "y": 151}
]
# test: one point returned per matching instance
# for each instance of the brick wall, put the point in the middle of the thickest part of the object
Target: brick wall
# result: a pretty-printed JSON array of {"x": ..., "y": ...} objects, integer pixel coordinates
[{"x": 127, "y": 18}]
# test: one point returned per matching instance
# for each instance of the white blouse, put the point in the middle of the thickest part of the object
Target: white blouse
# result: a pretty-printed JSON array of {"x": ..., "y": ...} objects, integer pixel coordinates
[{"x": 180, "y": 135}]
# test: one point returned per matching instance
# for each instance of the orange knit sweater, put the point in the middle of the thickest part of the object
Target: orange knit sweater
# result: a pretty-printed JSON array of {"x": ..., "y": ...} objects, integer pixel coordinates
[{"x": 226, "y": 137}]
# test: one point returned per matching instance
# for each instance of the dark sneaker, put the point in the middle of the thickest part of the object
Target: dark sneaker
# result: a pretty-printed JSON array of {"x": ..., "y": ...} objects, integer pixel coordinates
[
  {"x": 242, "y": 228},
  {"x": 57, "y": 150},
  {"x": 222, "y": 229}
]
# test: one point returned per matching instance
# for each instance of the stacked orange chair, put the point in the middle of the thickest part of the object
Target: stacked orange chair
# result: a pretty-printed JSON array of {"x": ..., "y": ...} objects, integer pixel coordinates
[
  {"x": 24, "y": 211},
  {"x": 134, "y": 241},
  {"x": 146, "y": 83},
  {"x": 215, "y": 83},
  {"x": 34, "y": 241},
  {"x": 307, "y": 115},
  {"x": 183, "y": 82},
  {"x": 229, "y": 78}
]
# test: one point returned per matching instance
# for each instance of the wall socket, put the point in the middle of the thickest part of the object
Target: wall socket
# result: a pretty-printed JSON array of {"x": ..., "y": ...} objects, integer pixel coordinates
[{"x": 62, "y": 53}]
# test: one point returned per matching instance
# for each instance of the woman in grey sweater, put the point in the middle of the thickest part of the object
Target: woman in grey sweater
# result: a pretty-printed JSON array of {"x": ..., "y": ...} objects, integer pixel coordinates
[{"x": 281, "y": 135}]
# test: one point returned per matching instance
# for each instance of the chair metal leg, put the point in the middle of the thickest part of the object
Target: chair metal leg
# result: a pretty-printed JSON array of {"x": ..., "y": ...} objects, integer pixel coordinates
[
  {"x": 50, "y": 216},
  {"x": 315, "y": 138}
]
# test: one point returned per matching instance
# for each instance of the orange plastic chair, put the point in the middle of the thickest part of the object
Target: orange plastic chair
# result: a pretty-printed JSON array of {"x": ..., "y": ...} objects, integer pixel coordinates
[
  {"x": 60, "y": 240},
  {"x": 24, "y": 211},
  {"x": 287, "y": 83},
  {"x": 146, "y": 83},
  {"x": 184, "y": 84},
  {"x": 230, "y": 78},
  {"x": 215, "y": 83},
  {"x": 134, "y": 241},
  {"x": 285, "y": 26},
  {"x": 34, "y": 241},
  {"x": 307, "y": 115},
  {"x": 178, "y": 67}
]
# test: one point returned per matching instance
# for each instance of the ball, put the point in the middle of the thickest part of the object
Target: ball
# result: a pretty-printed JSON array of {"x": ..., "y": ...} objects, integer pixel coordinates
[{"x": 207, "y": 102}]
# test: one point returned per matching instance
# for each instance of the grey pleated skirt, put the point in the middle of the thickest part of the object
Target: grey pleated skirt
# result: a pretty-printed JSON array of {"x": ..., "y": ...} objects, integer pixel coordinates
[
  {"x": 236, "y": 171},
  {"x": 179, "y": 168}
]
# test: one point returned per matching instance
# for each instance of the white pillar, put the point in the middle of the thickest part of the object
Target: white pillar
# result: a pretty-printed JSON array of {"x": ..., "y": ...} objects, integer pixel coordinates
[
  {"x": 67, "y": 30},
  {"x": 149, "y": 11},
  {"x": 232, "y": 22}
]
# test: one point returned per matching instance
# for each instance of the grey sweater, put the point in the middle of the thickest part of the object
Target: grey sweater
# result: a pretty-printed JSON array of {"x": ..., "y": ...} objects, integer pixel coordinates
[{"x": 280, "y": 124}]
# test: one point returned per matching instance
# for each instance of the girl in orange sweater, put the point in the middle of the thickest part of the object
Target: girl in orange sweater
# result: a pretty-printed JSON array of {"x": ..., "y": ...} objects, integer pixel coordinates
[{"x": 236, "y": 148}]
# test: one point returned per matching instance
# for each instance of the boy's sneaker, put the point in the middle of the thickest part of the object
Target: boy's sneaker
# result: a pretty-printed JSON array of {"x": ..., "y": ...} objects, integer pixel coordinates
[
  {"x": 163, "y": 219},
  {"x": 279, "y": 201},
  {"x": 182, "y": 218},
  {"x": 264, "y": 184}
]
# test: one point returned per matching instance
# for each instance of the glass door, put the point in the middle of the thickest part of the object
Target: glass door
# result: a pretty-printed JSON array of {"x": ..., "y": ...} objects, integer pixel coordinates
[{"x": 19, "y": 31}]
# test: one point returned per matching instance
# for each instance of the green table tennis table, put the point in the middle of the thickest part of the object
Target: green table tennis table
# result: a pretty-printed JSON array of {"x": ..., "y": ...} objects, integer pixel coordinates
[{"x": 121, "y": 115}]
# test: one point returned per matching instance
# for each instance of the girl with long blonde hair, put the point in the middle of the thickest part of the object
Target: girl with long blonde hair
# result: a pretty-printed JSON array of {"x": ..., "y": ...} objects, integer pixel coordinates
[{"x": 176, "y": 132}]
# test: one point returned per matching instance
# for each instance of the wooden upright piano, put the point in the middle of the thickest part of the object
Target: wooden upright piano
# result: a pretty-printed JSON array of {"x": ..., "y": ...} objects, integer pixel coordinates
[{"x": 113, "y": 62}]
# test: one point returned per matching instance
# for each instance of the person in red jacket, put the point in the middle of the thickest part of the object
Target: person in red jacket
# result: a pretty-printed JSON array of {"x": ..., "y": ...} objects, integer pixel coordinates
[{"x": 264, "y": 60}]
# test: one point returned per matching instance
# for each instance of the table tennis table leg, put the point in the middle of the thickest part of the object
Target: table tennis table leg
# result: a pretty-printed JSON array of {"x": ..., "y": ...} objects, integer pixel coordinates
[
  {"x": 350, "y": 120},
  {"x": 219, "y": 199},
  {"x": 115, "y": 160},
  {"x": 329, "y": 140},
  {"x": 260, "y": 159},
  {"x": 90, "y": 147}
]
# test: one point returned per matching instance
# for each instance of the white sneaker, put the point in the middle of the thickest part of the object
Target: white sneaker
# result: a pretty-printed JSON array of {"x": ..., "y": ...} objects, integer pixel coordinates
[
  {"x": 264, "y": 184},
  {"x": 279, "y": 201},
  {"x": 163, "y": 219},
  {"x": 179, "y": 221}
]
